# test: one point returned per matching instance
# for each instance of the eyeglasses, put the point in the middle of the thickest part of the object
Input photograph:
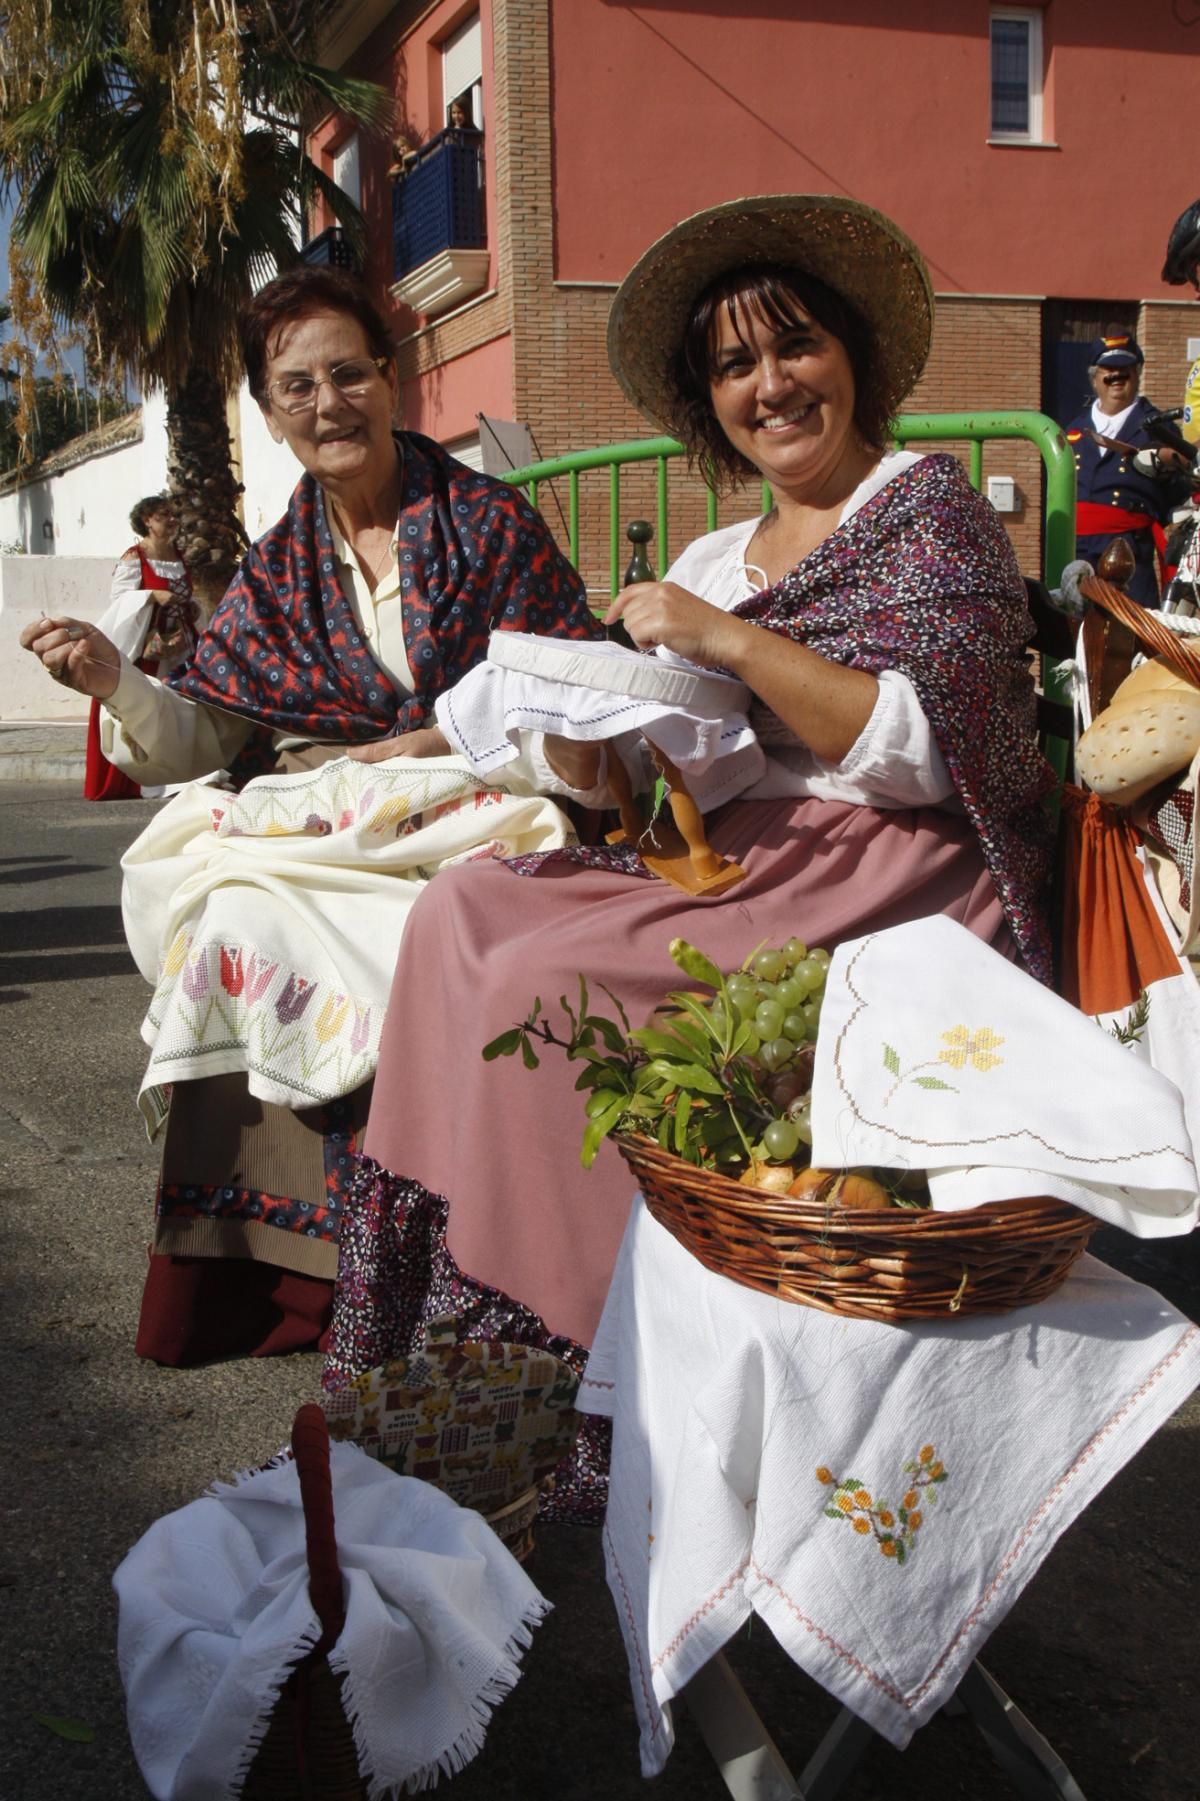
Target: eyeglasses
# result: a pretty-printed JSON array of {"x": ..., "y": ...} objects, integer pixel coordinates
[{"x": 298, "y": 393}]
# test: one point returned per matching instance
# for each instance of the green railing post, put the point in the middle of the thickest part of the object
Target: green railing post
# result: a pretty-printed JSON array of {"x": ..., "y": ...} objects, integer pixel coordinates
[{"x": 975, "y": 429}]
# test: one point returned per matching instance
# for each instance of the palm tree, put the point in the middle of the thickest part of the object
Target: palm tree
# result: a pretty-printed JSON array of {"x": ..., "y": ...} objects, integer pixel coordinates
[{"x": 155, "y": 151}]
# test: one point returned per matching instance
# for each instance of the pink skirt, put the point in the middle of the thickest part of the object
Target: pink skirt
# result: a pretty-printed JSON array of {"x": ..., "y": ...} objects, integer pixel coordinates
[{"x": 501, "y": 1142}]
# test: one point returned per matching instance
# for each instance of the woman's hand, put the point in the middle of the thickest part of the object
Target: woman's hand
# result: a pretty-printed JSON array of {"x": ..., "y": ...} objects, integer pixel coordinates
[
  {"x": 825, "y": 704},
  {"x": 75, "y": 654},
  {"x": 425, "y": 741},
  {"x": 664, "y": 613}
]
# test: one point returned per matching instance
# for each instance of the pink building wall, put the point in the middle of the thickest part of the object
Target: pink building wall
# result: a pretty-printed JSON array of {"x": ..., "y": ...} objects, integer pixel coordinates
[
  {"x": 444, "y": 402},
  {"x": 660, "y": 110}
]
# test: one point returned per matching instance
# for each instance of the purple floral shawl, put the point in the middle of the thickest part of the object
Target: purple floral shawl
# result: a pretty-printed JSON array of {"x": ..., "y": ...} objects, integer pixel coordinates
[{"x": 923, "y": 580}]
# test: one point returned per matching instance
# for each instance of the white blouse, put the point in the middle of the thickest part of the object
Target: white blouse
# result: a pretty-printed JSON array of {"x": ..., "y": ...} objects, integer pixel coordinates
[{"x": 895, "y": 761}]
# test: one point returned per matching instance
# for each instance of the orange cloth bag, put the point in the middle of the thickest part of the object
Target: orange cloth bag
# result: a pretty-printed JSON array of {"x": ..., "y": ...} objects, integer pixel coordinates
[{"x": 1113, "y": 942}]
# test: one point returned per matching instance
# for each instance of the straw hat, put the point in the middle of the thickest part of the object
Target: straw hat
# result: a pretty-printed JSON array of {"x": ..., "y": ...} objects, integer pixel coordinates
[{"x": 850, "y": 247}]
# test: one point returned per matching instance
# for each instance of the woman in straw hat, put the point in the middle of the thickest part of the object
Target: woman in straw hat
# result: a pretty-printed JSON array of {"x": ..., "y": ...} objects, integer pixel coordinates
[{"x": 877, "y": 615}]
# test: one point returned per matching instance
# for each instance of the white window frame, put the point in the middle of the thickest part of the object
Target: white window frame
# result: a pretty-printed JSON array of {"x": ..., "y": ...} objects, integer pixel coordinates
[
  {"x": 462, "y": 67},
  {"x": 1030, "y": 16}
]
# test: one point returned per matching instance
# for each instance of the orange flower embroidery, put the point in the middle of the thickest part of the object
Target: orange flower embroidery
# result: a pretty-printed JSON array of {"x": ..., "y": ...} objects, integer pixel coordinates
[{"x": 894, "y": 1532}]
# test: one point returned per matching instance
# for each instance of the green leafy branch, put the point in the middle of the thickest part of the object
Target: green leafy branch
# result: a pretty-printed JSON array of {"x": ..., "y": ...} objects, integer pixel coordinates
[
  {"x": 1130, "y": 1030},
  {"x": 685, "y": 1080}
]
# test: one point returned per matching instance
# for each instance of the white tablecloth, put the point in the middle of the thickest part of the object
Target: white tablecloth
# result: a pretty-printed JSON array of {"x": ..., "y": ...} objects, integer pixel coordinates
[{"x": 766, "y": 1456}]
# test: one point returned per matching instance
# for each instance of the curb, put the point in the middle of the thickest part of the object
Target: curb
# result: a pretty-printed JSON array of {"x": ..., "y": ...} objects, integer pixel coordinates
[{"x": 42, "y": 753}]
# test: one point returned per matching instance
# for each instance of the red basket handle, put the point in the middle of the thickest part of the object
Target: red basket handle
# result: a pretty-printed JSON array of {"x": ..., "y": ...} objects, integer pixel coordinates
[{"x": 310, "y": 1446}]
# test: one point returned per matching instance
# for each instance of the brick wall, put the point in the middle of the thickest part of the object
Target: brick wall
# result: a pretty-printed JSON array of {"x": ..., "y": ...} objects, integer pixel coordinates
[
  {"x": 986, "y": 357},
  {"x": 1164, "y": 328}
]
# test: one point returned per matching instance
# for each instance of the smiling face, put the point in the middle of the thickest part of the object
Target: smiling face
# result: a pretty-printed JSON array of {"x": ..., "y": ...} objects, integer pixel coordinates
[
  {"x": 783, "y": 394},
  {"x": 1115, "y": 389},
  {"x": 345, "y": 442}
]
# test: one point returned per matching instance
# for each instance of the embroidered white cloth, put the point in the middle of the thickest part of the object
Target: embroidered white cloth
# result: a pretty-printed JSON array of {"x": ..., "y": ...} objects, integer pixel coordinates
[
  {"x": 269, "y": 921},
  {"x": 600, "y": 691},
  {"x": 937, "y": 1053},
  {"x": 215, "y": 1611},
  {"x": 880, "y": 1495}
]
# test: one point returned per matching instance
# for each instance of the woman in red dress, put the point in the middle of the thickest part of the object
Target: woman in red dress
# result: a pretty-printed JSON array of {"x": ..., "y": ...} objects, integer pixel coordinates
[{"x": 158, "y": 636}]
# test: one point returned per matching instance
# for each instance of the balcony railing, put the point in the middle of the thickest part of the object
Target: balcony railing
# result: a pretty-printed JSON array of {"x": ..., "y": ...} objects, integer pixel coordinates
[
  {"x": 437, "y": 204},
  {"x": 332, "y": 247}
]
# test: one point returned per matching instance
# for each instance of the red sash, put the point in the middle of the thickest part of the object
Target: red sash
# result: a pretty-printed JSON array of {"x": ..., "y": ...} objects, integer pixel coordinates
[{"x": 1091, "y": 518}]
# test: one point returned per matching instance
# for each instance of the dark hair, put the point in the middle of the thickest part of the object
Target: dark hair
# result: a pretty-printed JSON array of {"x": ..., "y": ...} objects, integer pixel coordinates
[
  {"x": 139, "y": 516},
  {"x": 770, "y": 294},
  {"x": 293, "y": 296}
]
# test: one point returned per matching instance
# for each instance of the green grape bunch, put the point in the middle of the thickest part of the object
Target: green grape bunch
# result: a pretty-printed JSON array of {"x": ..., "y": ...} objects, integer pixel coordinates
[{"x": 723, "y": 1078}]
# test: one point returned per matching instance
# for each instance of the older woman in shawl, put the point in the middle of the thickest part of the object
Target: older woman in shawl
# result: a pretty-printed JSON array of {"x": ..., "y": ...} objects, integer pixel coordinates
[
  {"x": 268, "y": 920},
  {"x": 877, "y": 615}
]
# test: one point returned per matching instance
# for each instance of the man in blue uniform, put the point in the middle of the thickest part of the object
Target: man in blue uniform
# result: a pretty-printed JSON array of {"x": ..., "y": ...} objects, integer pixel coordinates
[{"x": 1118, "y": 494}]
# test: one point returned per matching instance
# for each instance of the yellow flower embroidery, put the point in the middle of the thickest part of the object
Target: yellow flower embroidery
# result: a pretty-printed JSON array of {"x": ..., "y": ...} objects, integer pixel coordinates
[
  {"x": 974, "y": 1048},
  {"x": 894, "y": 1532},
  {"x": 389, "y": 814},
  {"x": 332, "y": 1017},
  {"x": 176, "y": 954}
]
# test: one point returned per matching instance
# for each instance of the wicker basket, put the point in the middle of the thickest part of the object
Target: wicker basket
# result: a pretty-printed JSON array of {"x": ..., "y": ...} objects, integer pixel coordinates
[
  {"x": 513, "y": 1524},
  {"x": 890, "y": 1264}
]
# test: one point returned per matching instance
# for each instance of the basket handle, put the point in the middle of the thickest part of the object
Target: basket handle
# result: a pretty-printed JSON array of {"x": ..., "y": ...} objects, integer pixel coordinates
[
  {"x": 1144, "y": 623},
  {"x": 310, "y": 1446}
]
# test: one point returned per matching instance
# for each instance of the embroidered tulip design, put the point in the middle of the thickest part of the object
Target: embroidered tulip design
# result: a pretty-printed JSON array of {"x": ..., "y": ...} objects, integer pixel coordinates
[
  {"x": 360, "y": 1031},
  {"x": 180, "y": 945},
  {"x": 258, "y": 976},
  {"x": 233, "y": 974},
  {"x": 332, "y": 1017},
  {"x": 294, "y": 998},
  {"x": 195, "y": 976}
]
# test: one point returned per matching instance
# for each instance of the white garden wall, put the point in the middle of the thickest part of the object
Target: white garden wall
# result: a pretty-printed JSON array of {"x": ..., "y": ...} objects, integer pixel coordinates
[{"x": 73, "y": 526}]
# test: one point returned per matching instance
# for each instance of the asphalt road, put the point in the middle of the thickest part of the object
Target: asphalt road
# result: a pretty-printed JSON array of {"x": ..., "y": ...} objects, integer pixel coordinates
[{"x": 95, "y": 1445}]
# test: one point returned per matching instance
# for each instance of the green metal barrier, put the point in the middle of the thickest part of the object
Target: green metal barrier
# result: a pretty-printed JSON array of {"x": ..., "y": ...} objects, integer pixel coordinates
[{"x": 943, "y": 428}]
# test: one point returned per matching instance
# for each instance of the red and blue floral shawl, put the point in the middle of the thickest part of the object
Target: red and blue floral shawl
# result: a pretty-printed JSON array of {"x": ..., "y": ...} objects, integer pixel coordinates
[
  {"x": 923, "y": 579},
  {"x": 284, "y": 648}
]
